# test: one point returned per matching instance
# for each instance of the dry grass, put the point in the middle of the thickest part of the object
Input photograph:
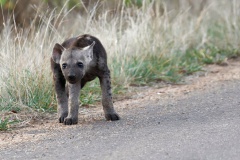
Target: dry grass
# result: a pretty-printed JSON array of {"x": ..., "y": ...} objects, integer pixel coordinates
[{"x": 157, "y": 41}]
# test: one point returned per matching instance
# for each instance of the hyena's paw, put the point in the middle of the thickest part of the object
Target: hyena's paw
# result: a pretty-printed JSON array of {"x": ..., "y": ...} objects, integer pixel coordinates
[
  {"x": 62, "y": 117},
  {"x": 70, "y": 121},
  {"x": 112, "y": 117}
]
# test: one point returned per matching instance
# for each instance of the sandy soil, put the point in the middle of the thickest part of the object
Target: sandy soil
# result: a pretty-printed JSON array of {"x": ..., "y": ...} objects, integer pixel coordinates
[{"x": 37, "y": 127}]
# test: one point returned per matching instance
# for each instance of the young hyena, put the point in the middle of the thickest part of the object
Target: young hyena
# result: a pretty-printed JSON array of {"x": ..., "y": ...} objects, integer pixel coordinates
[{"x": 73, "y": 63}]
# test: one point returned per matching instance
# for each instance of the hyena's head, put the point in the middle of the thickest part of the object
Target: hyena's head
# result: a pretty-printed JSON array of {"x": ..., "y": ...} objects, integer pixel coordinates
[{"x": 74, "y": 61}]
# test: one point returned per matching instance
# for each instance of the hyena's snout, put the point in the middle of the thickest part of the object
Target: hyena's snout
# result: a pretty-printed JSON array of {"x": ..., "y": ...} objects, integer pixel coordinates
[{"x": 71, "y": 77}]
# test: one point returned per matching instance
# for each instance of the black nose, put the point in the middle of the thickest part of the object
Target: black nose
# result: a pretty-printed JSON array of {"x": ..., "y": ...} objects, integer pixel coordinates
[{"x": 71, "y": 77}]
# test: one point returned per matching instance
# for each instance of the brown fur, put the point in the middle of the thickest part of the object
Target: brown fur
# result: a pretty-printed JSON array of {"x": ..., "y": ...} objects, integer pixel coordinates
[{"x": 69, "y": 76}]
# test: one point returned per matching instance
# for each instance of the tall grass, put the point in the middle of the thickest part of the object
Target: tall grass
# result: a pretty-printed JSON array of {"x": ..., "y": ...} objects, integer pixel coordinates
[{"x": 151, "y": 42}]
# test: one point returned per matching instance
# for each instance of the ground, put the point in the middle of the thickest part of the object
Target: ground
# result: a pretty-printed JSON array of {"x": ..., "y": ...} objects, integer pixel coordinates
[{"x": 36, "y": 129}]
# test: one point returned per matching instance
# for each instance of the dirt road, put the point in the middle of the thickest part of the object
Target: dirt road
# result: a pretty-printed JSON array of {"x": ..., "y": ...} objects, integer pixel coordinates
[{"x": 182, "y": 122}]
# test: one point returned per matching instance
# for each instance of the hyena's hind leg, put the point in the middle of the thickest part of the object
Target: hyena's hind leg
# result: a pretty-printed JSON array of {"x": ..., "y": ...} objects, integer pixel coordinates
[{"x": 105, "y": 82}]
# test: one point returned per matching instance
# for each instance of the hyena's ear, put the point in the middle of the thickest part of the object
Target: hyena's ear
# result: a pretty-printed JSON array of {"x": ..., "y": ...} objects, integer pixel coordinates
[
  {"x": 88, "y": 51},
  {"x": 57, "y": 52}
]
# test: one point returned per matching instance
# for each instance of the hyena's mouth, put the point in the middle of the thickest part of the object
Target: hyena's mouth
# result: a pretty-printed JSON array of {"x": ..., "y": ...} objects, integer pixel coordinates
[{"x": 72, "y": 79}]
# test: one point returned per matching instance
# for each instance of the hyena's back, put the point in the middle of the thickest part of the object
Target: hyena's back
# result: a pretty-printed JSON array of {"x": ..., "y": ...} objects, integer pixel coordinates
[{"x": 86, "y": 40}]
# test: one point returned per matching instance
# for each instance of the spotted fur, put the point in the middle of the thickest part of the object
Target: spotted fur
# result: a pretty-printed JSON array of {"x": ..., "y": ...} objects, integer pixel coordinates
[{"x": 69, "y": 76}]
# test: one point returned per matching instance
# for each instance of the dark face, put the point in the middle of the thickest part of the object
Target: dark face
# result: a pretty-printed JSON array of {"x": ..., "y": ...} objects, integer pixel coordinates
[{"x": 74, "y": 64}]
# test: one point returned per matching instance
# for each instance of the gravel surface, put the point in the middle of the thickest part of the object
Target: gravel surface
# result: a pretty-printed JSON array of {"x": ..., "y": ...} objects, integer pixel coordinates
[{"x": 201, "y": 125}]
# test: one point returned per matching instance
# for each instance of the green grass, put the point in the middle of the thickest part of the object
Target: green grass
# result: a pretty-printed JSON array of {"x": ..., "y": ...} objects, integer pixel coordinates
[
  {"x": 6, "y": 123},
  {"x": 91, "y": 93},
  {"x": 169, "y": 69},
  {"x": 28, "y": 89},
  {"x": 145, "y": 44}
]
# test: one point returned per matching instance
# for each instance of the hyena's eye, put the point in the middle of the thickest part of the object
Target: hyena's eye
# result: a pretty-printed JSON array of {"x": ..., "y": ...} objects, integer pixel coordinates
[
  {"x": 64, "y": 65},
  {"x": 80, "y": 64}
]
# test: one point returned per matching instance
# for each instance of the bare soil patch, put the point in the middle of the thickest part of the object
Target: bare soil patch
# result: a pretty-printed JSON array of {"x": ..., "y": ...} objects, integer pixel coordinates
[{"x": 41, "y": 126}]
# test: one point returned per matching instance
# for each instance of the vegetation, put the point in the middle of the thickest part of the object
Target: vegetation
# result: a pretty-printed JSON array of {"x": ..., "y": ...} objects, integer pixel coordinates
[
  {"x": 146, "y": 41},
  {"x": 5, "y": 124}
]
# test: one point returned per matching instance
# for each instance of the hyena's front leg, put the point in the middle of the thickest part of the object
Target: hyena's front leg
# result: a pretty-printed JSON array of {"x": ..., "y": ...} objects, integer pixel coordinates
[
  {"x": 107, "y": 103},
  {"x": 62, "y": 99},
  {"x": 73, "y": 104}
]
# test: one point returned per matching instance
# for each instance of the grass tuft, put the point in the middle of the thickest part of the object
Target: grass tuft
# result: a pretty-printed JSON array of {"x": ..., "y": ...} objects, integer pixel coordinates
[{"x": 5, "y": 123}]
